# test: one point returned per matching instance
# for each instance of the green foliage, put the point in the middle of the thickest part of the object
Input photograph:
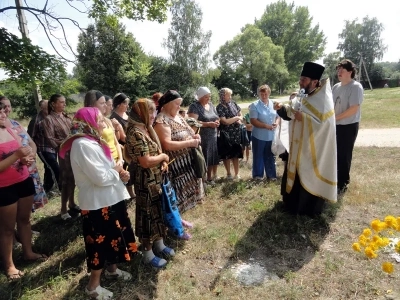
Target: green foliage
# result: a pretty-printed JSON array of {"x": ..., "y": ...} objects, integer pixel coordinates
[
  {"x": 252, "y": 59},
  {"x": 154, "y": 10},
  {"x": 188, "y": 47},
  {"x": 22, "y": 98},
  {"x": 111, "y": 60},
  {"x": 330, "y": 62},
  {"x": 362, "y": 38},
  {"x": 290, "y": 27},
  {"x": 27, "y": 63}
]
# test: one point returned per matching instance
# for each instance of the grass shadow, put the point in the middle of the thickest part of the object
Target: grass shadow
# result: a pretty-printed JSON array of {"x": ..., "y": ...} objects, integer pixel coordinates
[{"x": 278, "y": 242}]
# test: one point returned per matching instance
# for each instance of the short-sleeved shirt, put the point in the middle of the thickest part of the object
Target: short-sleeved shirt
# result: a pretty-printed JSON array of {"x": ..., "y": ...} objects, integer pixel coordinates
[
  {"x": 265, "y": 114},
  {"x": 345, "y": 96}
]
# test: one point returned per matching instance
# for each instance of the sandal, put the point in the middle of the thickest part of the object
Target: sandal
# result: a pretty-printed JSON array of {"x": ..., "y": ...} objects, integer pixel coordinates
[
  {"x": 158, "y": 262},
  {"x": 99, "y": 293},
  {"x": 167, "y": 252},
  {"x": 15, "y": 276},
  {"x": 41, "y": 258},
  {"x": 66, "y": 216},
  {"x": 75, "y": 208},
  {"x": 118, "y": 274},
  {"x": 187, "y": 224},
  {"x": 186, "y": 236}
]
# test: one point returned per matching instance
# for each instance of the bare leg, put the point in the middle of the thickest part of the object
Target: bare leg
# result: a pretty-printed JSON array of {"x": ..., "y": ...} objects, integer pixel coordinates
[
  {"x": 130, "y": 191},
  {"x": 94, "y": 280},
  {"x": 209, "y": 171},
  {"x": 214, "y": 171},
  {"x": 235, "y": 162},
  {"x": 8, "y": 216},
  {"x": 227, "y": 164},
  {"x": 24, "y": 206}
]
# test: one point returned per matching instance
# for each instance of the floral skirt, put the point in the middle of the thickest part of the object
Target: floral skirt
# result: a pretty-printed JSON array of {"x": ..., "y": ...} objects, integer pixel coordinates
[{"x": 108, "y": 235}]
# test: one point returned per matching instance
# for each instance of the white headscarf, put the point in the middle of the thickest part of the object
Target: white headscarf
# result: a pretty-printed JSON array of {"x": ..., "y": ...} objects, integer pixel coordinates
[{"x": 201, "y": 92}]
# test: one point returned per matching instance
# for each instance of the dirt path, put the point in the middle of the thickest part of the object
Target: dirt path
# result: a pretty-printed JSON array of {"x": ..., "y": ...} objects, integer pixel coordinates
[{"x": 384, "y": 137}]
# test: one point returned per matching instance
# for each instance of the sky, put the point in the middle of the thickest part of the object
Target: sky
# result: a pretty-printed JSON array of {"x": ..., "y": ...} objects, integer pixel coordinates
[{"x": 225, "y": 18}]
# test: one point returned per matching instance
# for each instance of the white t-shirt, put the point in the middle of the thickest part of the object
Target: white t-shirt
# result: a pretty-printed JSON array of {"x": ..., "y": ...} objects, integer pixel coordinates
[
  {"x": 98, "y": 183},
  {"x": 345, "y": 96}
]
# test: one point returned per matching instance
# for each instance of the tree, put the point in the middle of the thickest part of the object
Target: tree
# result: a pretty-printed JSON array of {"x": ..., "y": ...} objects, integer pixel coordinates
[
  {"x": 331, "y": 61},
  {"x": 187, "y": 44},
  {"x": 252, "y": 59},
  {"x": 362, "y": 39},
  {"x": 290, "y": 27},
  {"x": 111, "y": 60},
  {"x": 51, "y": 22}
]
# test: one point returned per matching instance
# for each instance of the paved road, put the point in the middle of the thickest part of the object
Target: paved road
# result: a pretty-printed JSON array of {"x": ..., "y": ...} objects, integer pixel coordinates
[{"x": 384, "y": 137}]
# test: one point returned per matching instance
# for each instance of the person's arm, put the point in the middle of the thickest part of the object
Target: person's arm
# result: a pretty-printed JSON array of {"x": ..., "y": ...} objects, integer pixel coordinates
[
  {"x": 120, "y": 160},
  {"x": 210, "y": 124},
  {"x": 20, "y": 153},
  {"x": 48, "y": 131},
  {"x": 352, "y": 110},
  {"x": 164, "y": 134},
  {"x": 259, "y": 124},
  {"x": 229, "y": 121}
]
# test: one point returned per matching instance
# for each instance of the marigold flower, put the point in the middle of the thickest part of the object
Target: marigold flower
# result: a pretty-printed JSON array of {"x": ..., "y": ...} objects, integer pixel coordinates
[
  {"x": 362, "y": 240},
  {"x": 384, "y": 242},
  {"x": 375, "y": 238},
  {"x": 356, "y": 247},
  {"x": 397, "y": 247},
  {"x": 370, "y": 253},
  {"x": 378, "y": 226},
  {"x": 388, "y": 267},
  {"x": 374, "y": 245},
  {"x": 391, "y": 222},
  {"x": 367, "y": 232}
]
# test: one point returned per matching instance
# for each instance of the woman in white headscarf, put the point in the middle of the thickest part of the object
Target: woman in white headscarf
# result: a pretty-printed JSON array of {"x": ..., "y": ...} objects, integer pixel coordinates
[{"x": 204, "y": 111}]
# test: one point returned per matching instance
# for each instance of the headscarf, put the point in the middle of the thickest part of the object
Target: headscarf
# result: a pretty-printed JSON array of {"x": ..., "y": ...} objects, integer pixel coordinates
[
  {"x": 169, "y": 96},
  {"x": 139, "y": 115},
  {"x": 201, "y": 92},
  {"x": 118, "y": 99},
  {"x": 85, "y": 125},
  {"x": 229, "y": 105}
]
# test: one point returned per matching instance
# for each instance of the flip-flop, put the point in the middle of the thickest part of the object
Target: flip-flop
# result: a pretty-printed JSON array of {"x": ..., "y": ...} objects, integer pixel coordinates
[
  {"x": 41, "y": 258},
  {"x": 75, "y": 208},
  {"x": 187, "y": 224},
  {"x": 16, "y": 276}
]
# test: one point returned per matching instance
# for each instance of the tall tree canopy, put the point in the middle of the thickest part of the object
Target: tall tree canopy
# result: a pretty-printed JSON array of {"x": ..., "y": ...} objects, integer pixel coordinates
[
  {"x": 330, "y": 62},
  {"x": 111, "y": 60},
  {"x": 362, "y": 38},
  {"x": 290, "y": 27},
  {"x": 253, "y": 57},
  {"x": 188, "y": 45}
]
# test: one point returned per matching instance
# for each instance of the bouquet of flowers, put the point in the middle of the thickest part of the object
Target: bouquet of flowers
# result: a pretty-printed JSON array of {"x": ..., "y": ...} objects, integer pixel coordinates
[{"x": 381, "y": 238}]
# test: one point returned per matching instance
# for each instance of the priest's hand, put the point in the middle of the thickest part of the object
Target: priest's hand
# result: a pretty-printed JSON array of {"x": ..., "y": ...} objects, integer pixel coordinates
[{"x": 298, "y": 115}]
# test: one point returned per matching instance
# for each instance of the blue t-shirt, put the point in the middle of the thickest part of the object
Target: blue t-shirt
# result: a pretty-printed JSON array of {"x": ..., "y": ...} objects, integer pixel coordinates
[{"x": 263, "y": 113}]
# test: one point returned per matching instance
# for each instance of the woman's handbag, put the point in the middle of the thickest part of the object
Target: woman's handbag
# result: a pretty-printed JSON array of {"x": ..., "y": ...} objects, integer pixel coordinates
[
  {"x": 172, "y": 217},
  {"x": 244, "y": 137},
  {"x": 198, "y": 162}
]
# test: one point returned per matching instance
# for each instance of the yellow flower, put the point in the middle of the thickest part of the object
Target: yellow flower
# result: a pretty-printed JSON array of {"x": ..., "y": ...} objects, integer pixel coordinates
[
  {"x": 398, "y": 224},
  {"x": 370, "y": 253},
  {"x": 387, "y": 267},
  {"x": 362, "y": 240},
  {"x": 375, "y": 238},
  {"x": 391, "y": 222},
  {"x": 374, "y": 246},
  {"x": 378, "y": 226},
  {"x": 384, "y": 242},
  {"x": 367, "y": 232},
  {"x": 356, "y": 247}
]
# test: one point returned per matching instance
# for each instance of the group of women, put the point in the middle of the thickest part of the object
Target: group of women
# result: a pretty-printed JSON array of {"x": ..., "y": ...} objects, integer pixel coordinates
[{"x": 155, "y": 139}]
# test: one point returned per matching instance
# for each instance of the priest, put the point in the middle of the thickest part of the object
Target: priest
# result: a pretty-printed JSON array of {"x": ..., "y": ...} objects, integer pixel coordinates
[{"x": 309, "y": 179}]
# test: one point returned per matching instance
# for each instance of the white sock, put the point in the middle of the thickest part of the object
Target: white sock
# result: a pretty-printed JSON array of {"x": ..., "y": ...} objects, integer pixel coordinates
[
  {"x": 148, "y": 255},
  {"x": 159, "y": 245}
]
